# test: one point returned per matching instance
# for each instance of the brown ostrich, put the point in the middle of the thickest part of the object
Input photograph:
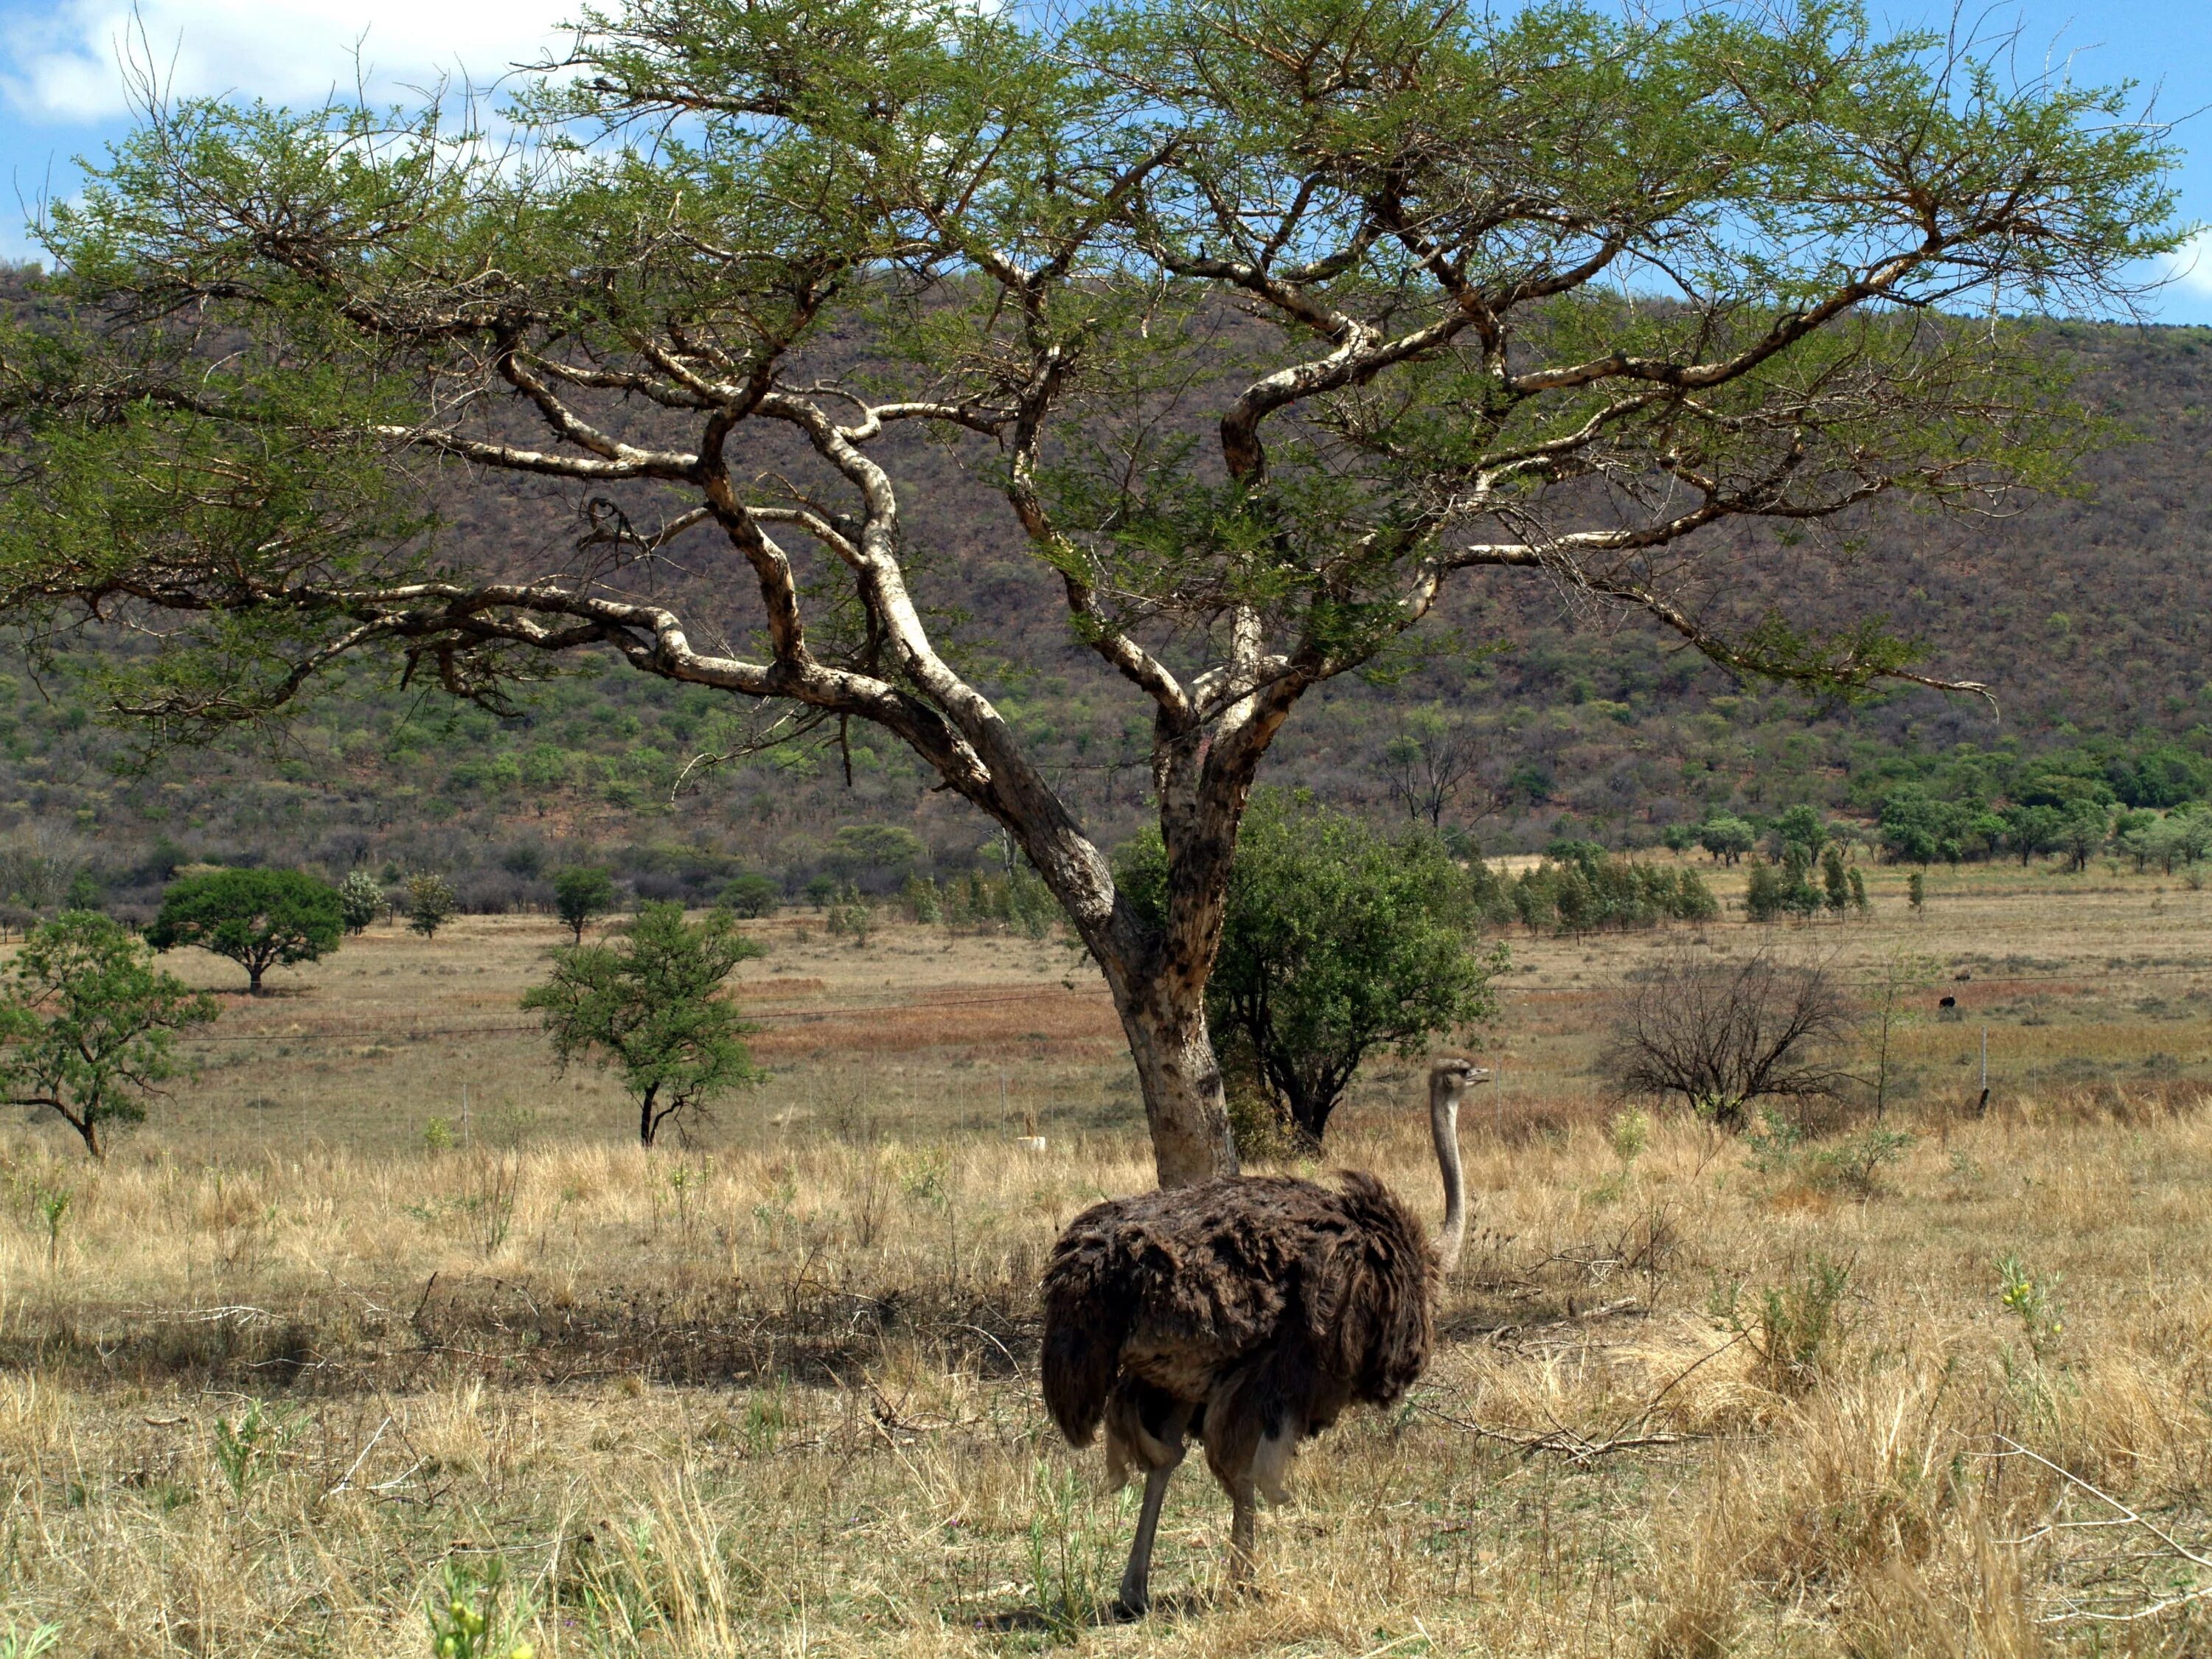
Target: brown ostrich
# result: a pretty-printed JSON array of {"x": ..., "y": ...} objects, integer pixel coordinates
[{"x": 1246, "y": 1312}]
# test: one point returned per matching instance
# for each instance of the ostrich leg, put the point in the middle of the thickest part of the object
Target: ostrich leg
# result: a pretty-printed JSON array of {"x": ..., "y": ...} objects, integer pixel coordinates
[
  {"x": 1244, "y": 1503},
  {"x": 1136, "y": 1596}
]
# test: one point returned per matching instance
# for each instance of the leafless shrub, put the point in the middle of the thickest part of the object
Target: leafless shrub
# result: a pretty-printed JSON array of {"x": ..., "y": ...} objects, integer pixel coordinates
[{"x": 1722, "y": 1034}]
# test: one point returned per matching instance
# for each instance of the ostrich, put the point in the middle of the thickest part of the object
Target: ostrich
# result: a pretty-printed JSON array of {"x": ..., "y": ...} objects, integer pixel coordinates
[{"x": 1246, "y": 1312}]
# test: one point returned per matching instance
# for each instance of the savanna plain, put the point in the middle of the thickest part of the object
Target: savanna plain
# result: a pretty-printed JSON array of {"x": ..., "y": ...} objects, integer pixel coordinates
[{"x": 376, "y": 1307}]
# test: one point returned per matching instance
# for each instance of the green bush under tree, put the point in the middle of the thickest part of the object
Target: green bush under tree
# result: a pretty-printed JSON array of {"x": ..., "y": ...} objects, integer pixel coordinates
[{"x": 1337, "y": 942}]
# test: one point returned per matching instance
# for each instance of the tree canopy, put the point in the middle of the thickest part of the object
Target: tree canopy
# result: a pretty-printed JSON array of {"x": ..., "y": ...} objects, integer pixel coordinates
[
  {"x": 260, "y": 919},
  {"x": 1271, "y": 321},
  {"x": 648, "y": 1004},
  {"x": 89, "y": 1024}
]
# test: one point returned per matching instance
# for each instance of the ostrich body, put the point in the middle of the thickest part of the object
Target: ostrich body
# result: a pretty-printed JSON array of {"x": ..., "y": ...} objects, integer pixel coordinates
[{"x": 1247, "y": 1312}]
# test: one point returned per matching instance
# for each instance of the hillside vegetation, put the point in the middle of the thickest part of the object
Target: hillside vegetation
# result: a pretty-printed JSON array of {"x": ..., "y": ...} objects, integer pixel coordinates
[{"x": 2084, "y": 615}]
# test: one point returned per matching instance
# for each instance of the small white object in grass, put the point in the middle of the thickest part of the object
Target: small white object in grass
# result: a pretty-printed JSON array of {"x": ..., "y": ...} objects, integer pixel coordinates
[{"x": 1030, "y": 1143}]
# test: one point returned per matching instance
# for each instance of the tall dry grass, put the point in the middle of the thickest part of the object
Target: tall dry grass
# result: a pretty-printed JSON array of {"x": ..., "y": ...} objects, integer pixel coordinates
[{"x": 762, "y": 1402}]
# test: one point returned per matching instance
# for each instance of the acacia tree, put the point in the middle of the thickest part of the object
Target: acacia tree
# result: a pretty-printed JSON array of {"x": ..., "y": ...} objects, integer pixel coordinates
[
  {"x": 1271, "y": 321},
  {"x": 88, "y": 1025},
  {"x": 260, "y": 919},
  {"x": 649, "y": 1005}
]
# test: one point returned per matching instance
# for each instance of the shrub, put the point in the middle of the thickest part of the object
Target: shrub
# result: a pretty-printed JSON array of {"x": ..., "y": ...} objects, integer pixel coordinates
[
  {"x": 1336, "y": 942},
  {"x": 647, "y": 1005},
  {"x": 1724, "y": 1035}
]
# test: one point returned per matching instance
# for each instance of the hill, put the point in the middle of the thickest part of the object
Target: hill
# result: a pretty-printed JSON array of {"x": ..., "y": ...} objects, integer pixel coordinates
[{"x": 2086, "y": 615}]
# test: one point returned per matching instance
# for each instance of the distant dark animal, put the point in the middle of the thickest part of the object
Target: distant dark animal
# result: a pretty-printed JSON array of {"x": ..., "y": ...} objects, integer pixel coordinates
[
  {"x": 1246, "y": 1313},
  {"x": 1948, "y": 1002}
]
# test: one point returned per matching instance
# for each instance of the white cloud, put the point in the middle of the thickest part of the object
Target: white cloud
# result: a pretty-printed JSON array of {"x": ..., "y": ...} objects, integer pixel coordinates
[
  {"x": 2188, "y": 267},
  {"x": 65, "y": 62}
]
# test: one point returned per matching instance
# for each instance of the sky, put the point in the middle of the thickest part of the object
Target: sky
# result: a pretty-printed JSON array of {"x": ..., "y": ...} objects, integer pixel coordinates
[{"x": 63, "y": 90}]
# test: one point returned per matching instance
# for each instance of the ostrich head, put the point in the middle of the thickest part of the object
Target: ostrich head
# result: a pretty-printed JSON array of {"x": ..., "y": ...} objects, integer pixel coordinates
[{"x": 1448, "y": 1084}]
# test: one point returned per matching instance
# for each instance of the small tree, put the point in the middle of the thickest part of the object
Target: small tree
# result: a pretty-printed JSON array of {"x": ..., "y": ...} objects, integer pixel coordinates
[
  {"x": 430, "y": 903},
  {"x": 87, "y": 1024},
  {"x": 752, "y": 894},
  {"x": 1337, "y": 942},
  {"x": 1432, "y": 762},
  {"x": 645, "y": 1003},
  {"x": 260, "y": 919},
  {"x": 582, "y": 893},
  {"x": 361, "y": 900},
  {"x": 1727, "y": 837},
  {"x": 1722, "y": 1034},
  {"x": 1835, "y": 880}
]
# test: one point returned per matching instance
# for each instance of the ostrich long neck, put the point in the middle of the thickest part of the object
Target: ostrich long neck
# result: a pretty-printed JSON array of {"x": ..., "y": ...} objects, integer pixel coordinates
[{"x": 1444, "y": 1094}]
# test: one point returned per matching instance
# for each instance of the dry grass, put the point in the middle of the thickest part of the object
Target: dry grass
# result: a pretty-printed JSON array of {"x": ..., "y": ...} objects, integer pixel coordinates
[{"x": 766, "y": 1393}]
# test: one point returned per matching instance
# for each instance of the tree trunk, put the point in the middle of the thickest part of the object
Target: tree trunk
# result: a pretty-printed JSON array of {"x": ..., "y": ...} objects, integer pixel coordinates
[
  {"x": 1184, "y": 1106},
  {"x": 647, "y": 1123},
  {"x": 89, "y": 1131},
  {"x": 253, "y": 971}
]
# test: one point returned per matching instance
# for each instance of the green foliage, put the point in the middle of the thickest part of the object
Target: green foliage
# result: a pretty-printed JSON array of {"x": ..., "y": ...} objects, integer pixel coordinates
[
  {"x": 430, "y": 903},
  {"x": 259, "y": 918},
  {"x": 361, "y": 900},
  {"x": 247, "y": 1451},
  {"x": 647, "y": 1005},
  {"x": 1727, "y": 837},
  {"x": 1916, "y": 892},
  {"x": 470, "y": 1616},
  {"x": 582, "y": 893},
  {"x": 1793, "y": 1328},
  {"x": 877, "y": 852},
  {"x": 29, "y": 1643},
  {"x": 752, "y": 894},
  {"x": 2033, "y": 1302},
  {"x": 88, "y": 1025},
  {"x": 1579, "y": 888},
  {"x": 922, "y": 900},
  {"x": 1335, "y": 942},
  {"x": 851, "y": 916}
]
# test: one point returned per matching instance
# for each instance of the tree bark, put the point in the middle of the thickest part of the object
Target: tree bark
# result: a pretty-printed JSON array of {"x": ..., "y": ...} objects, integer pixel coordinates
[
  {"x": 253, "y": 972},
  {"x": 1184, "y": 1106},
  {"x": 647, "y": 1123}
]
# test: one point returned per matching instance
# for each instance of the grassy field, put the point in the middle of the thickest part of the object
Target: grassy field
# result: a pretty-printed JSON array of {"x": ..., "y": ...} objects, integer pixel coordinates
[{"x": 289, "y": 1359}]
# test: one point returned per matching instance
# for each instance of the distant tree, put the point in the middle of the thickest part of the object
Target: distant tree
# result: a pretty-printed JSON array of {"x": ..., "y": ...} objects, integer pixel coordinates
[
  {"x": 1836, "y": 882},
  {"x": 1722, "y": 1035},
  {"x": 1800, "y": 829},
  {"x": 1727, "y": 837},
  {"x": 1434, "y": 761},
  {"x": 1337, "y": 942},
  {"x": 2081, "y": 833},
  {"x": 1859, "y": 902},
  {"x": 1915, "y": 893},
  {"x": 582, "y": 893},
  {"x": 875, "y": 852},
  {"x": 647, "y": 1004},
  {"x": 86, "y": 891},
  {"x": 361, "y": 900},
  {"x": 87, "y": 1024},
  {"x": 2032, "y": 830},
  {"x": 1766, "y": 895},
  {"x": 750, "y": 894},
  {"x": 430, "y": 903},
  {"x": 260, "y": 919}
]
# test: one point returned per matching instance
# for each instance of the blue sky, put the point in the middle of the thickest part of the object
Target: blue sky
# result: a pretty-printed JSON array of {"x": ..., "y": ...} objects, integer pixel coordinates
[{"x": 62, "y": 88}]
